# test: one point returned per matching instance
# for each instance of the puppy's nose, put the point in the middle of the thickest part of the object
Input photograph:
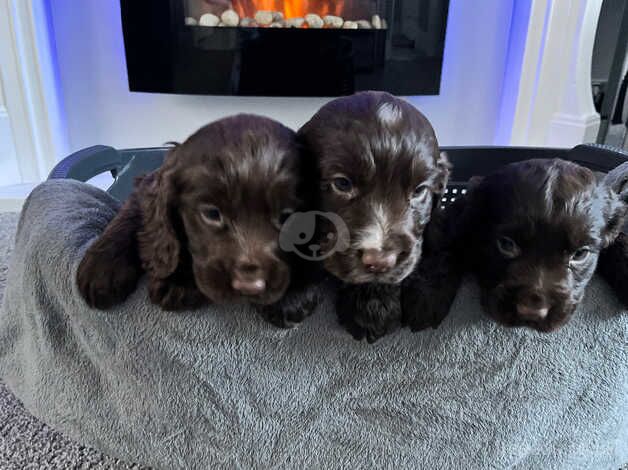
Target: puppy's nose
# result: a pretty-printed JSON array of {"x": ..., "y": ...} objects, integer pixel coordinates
[
  {"x": 248, "y": 278},
  {"x": 249, "y": 287},
  {"x": 378, "y": 261},
  {"x": 533, "y": 306},
  {"x": 532, "y": 313},
  {"x": 247, "y": 267}
]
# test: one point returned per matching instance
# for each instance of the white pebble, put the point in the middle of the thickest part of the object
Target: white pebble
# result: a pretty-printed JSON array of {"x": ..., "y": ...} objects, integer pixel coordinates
[
  {"x": 209, "y": 20},
  {"x": 221, "y": 25},
  {"x": 294, "y": 22},
  {"x": 230, "y": 18},
  {"x": 277, "y": 16},
  {"x": 363, "y": 24},
  {"x": 333, "y": 21},
  {"x": 376, "y": 21},
  {"x": 264, "y": 17},
  {"x": 350, "y": 25},
  {"x": 191, "y": 21},
  {"x": 384, "y": 24},
  {"x": 314, "y": 21},
  {"x": 247, "y": 22},
  {"x": 278, "y": 24}
]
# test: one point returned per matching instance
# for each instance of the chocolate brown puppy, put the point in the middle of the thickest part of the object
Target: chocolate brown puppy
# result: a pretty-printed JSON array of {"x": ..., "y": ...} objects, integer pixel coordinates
[
  {"x": 382, "y": 173},
  {"x": 205, "y": 225},
  {"x": 531, "y": 233}
]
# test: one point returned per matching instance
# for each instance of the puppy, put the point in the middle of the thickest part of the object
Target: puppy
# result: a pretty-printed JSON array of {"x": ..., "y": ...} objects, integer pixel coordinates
[
  {"x": 382, "y": 174},
  {"x": 613, "y": 263},
  {"x": 205, "y": 225},
  {"x": 531, "y": 233}
]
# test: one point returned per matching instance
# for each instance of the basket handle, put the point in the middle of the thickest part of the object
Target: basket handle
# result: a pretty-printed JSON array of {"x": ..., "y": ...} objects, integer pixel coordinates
[
  {"x": 597, "y": 156},
  {"x": 87, "y": 163}
]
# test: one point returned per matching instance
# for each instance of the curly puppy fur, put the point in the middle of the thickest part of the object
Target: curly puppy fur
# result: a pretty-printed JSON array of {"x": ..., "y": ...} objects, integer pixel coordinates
[
  {"x": 613, "y": 262},
  {"x": 532, "y": 233},
  {"x": 381, "y": 171},
  {"x": 205, "y": 225}
]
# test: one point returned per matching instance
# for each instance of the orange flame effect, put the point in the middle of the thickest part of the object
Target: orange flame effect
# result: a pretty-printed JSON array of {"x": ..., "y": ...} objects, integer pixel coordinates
[{"x": 289, "y": 8}]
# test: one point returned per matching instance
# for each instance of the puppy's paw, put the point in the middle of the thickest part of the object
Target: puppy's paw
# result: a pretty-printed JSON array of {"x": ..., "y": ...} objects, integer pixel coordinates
[
  {"x": 422, "y": 308},
  {"x": 348, "y": 322},
  {"x": 369, "y": 310},
  {"x": 104, "y": 282},
  {"x": 293, "y": 308},
  {"x": 427, "y": 294},
  {"x": 174, "y": 297},
  {"x": 281, "y": 317}
]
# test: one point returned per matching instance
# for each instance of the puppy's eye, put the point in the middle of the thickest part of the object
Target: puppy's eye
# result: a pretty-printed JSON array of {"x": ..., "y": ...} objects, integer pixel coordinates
[
  {"x": 284, "y": 215},
  {"x": 421, "y": 193},
  {"x": 508, "y": 247},
  {"x": 211, "y": 215},
  {"x": 342, "y": 184},
  {"x": 580, "y": 255}
]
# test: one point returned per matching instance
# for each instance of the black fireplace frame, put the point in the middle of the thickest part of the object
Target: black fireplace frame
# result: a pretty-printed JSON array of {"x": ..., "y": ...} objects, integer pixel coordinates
[{"x": 164, "y": 55}]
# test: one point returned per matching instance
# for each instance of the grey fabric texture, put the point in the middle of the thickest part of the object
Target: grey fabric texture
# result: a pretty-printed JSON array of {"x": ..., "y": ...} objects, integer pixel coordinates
[
  {"x": 218, "y": 387},
  {"x": 25, "y": 441}
]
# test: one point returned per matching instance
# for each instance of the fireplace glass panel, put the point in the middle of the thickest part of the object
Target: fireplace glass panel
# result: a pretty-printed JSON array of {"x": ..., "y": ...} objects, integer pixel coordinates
[
  {"x": 315, "y": 14},
  {"x": 285, "y": 47}
]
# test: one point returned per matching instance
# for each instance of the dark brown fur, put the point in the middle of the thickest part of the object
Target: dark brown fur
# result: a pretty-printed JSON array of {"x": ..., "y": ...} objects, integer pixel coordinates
[
  {"x": 552, "y": 210},
  {"x": 387, "y": 149},
  {"x": 249, "y": 168}
]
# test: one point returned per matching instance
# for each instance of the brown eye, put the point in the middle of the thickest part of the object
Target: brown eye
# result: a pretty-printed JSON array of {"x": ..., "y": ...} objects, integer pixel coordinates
[
  {"x": 580, "y": 255},
  {"x": 342, "y": 184},
  {"x": 508, "y": 247},
  {"x": 420, "y": 193},
  {"x": 211, "y": 215}
]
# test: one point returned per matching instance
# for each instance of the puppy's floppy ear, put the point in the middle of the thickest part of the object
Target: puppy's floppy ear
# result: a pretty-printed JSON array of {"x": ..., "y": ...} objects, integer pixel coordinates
[
  {"x": 617, "y": 181},
  {"x": 469, "y": 211},
  {"x": 615, "y": 187},
  {"x": 474, "y": 182},
  {"x": 443, "y": 168},
  {"x": 159, "y": 243}
]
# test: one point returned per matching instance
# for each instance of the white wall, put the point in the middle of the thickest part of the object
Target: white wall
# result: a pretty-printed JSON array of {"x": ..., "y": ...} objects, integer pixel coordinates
[
  {"x": 9, "y": 170},
  {"x": 29, "y": 101},
  {"x": 551, "y": 104},
  {"x": 100, "y": 109}
]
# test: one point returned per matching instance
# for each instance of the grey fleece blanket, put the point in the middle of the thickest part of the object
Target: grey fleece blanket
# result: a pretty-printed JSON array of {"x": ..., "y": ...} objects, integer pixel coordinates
[{"x": 220, "y": 388}]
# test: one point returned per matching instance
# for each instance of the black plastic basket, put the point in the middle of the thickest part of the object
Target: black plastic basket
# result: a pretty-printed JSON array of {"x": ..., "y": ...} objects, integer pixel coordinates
[{"x": 125, "y": 165}]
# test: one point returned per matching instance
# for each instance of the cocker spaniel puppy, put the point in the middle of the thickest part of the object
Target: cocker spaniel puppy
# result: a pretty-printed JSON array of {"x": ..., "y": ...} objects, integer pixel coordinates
[
  {"x": 381, "y": 172},
  {"x": 205, "y": 225},
  {"x": 532, "y": 234}
]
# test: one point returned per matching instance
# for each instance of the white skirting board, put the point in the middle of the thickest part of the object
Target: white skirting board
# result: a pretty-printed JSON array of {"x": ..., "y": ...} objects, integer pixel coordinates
[
  {"x": 12, "y": 197},
  {"x": 567, "y": 129}
]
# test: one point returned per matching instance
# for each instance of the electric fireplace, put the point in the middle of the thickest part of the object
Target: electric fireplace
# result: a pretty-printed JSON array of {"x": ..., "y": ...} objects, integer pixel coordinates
[{"x": 284, "y": 47}]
